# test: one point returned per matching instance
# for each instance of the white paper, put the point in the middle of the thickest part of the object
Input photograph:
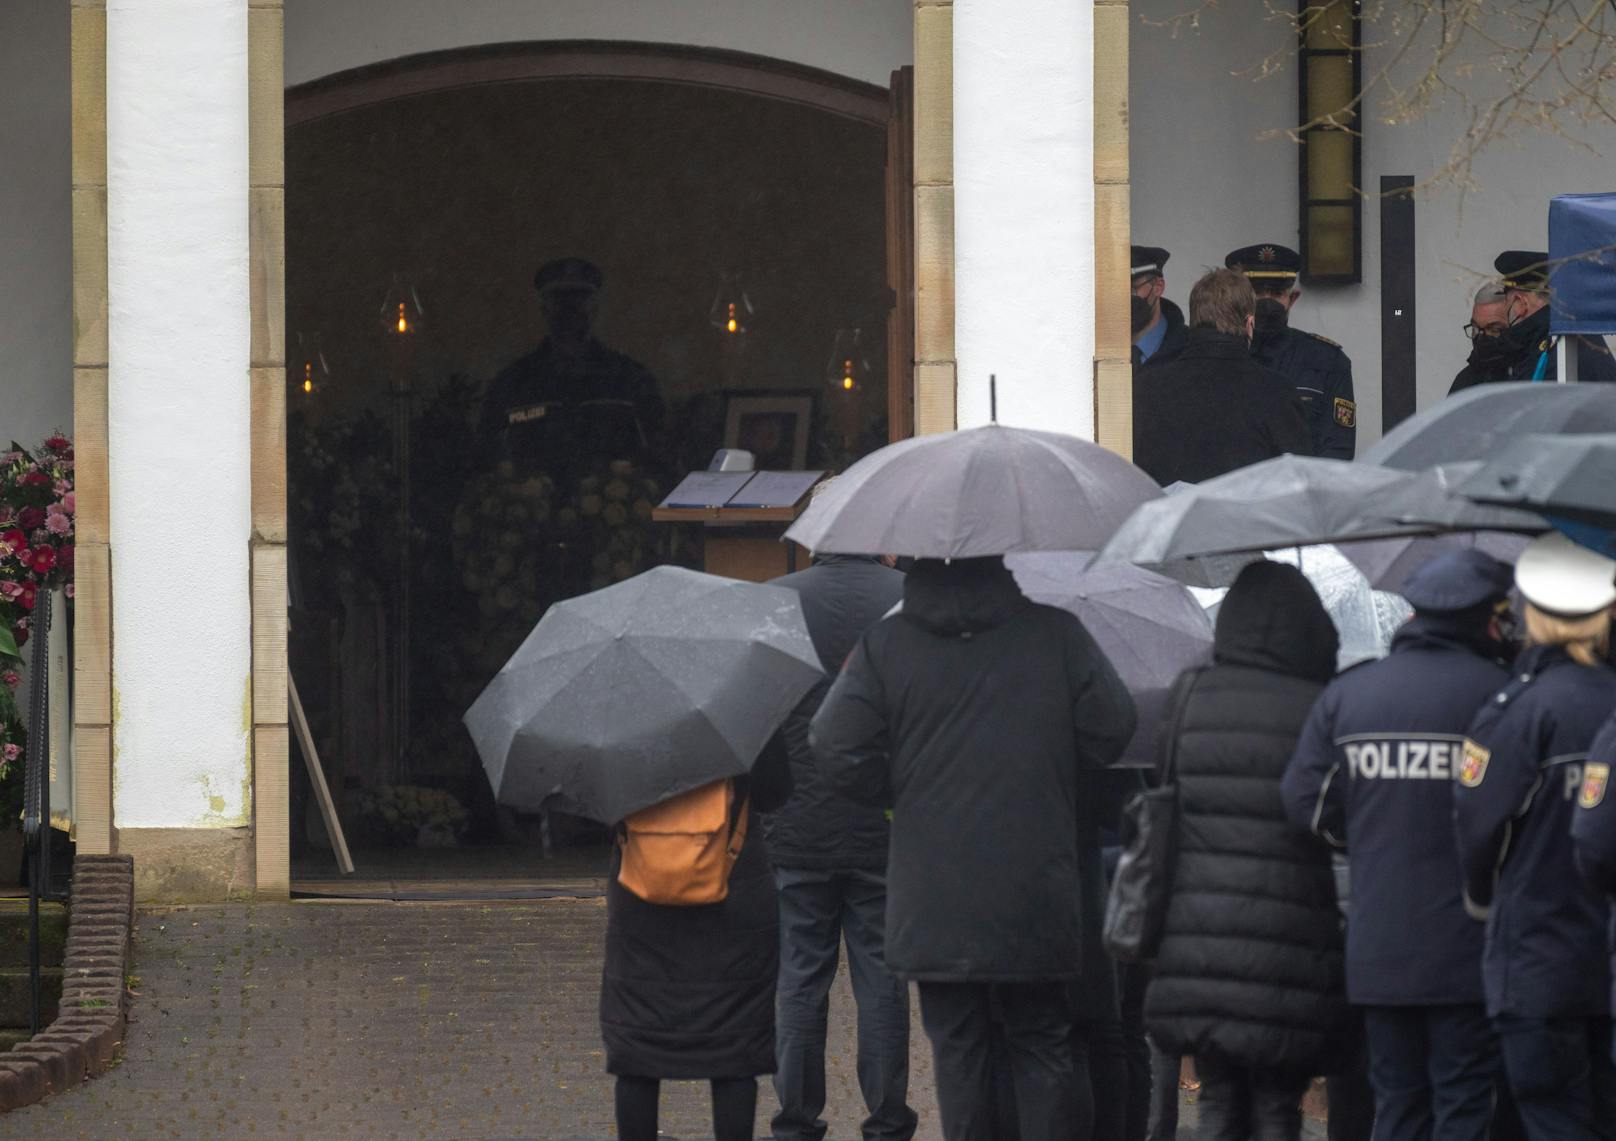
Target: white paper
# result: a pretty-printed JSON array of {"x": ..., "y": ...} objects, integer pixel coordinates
[
  {"x": 707, "y": 489},
  {"x": 776, "y": 489}
]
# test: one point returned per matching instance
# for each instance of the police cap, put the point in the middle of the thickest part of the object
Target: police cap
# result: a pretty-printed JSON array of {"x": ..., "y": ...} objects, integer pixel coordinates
[
  {"x": 570, "y": 274},
  {"x": 1266, "y": 262},
  {"x": 1148, "y": 260},
  {"x": 1561, "y": 578},
  {"x": 1457, "y": 580},
  {"x": 1523, "y": 269}
]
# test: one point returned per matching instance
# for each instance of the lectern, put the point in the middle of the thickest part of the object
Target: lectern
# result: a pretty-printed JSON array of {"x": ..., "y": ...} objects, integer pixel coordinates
[{"x": 744, "y": 514}]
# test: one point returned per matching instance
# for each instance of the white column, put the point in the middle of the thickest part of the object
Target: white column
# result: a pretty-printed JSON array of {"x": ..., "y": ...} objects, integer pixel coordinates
[
  {"x": 1024, "y": 211},
  {"x": 178, "y": 410}
]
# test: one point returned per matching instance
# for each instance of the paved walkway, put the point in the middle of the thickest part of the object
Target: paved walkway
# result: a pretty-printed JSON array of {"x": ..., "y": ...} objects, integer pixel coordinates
[{"x": 401, "y": 1021}]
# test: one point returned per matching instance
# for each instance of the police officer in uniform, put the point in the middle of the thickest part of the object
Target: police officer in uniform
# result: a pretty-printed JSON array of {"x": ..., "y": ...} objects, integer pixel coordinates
[
  {"x": 1159, "y": 332},
  {"x": 1526, "y": 344},
  {"x": 1544, "y": 966},
  {"x": 1593, "y": 827},
  {"x": 571, "y": 402},
  {"x": 1321, "y": 372},
  {"x": 1373, "y": 774}
]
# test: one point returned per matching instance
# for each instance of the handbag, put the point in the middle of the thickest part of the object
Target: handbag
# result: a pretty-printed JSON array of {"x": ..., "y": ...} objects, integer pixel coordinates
[{"x": 1136, "y": 908}]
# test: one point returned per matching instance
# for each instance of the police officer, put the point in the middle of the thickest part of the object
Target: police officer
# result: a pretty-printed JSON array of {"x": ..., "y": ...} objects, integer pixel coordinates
[
  {"x": 1321, "y": 372},
  {"x": 571, "y": 402},
  {"x": 1593, "y": 827},
  {"x": 1373, "y": 774},
  {"x": 1526, "y": 344},
  {"x": 1544, "y": 966},
  {"x": 1159, "y": 331}
]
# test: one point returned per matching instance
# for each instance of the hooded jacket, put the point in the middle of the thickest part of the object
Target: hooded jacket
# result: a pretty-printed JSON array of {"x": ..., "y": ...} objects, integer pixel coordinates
[
  {"x": 1374, "y": 773},
  {"x": 980, "y": 717},
  {"x": 1250, "y": 966},
  {"x": 819, "y": 828}
]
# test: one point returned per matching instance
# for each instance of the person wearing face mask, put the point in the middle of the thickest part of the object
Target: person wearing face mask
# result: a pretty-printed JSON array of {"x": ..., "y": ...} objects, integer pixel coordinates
[
  {"x": 1373, "y": 775},
  {"x": 1159, "y": 331},
  {"x": 1315, "y": 365},
  {"x": 1489, "y": 351},
  {"x": 1214, "y": 408},
  {"x": 571, "y": 403},
  {"x": 1527, "y": 347}
]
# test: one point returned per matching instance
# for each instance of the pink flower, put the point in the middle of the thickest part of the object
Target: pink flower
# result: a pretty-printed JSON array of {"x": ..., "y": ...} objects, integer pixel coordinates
[
  {"x": 63, "y": 486},
  {"x": 57, "y": 523},
  {"x": 11, "y": 679},
  {"x": 12, "y": 752},
  {"x": 10, "y": 590},
  {"x": 68, "y": 590}
]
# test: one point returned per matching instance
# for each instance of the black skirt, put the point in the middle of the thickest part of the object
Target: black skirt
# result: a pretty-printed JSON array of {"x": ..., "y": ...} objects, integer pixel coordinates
[{"x": 688, "y": 992}]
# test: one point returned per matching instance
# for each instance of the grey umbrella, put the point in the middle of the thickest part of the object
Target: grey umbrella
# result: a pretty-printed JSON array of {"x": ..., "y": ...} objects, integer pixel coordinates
[
  {"x": 982, "y": 491},
  {"x": 1479, "y": 422},
  {"x": 1572, "y": 477},
  {"x": 1150, "y": 627},
  {"x": 626, "y": 696},
  {"x": 1289, "y": 501},
  {"x": 1387, "y": 563}
]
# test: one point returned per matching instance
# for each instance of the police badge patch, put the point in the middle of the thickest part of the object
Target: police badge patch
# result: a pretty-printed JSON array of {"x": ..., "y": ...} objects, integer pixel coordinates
[
  {"x": 1474, "y": 769},
  {"x": 1346, "y": 413},
  {"x": 1595, "y": 777}
]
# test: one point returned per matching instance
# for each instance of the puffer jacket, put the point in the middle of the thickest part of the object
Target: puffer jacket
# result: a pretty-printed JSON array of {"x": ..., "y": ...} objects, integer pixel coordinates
[
  {"x": 981, "y": 718},
  {"x": 1251, "y": 963}
]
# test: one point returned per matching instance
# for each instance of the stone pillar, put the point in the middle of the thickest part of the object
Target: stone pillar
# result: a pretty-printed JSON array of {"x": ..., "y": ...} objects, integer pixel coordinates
[
  {"x": 179, "y": 418},
  {"x": 934, "y": 217},
  {"x": 1024, "y": 211},
  {"x": 1113, "y": 334}
]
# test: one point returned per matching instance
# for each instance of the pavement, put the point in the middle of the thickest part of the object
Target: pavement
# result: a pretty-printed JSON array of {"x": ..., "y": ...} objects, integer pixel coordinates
[{"x": 396, "y": 1020}]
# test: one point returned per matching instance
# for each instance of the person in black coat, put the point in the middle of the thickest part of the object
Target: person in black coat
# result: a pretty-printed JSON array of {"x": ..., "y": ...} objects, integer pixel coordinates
[
  {"x": 1593, "y": 827},
  {"x": 1373, "y": 774},
  {"x": 688, "y": 992},
  {"x": 1249, "y": 973},
  {"x": 1544, "y": 969},
  {"x": 1214, "y": 408},
  {"x": 830, "y": 860},
  {"x": 1526, "y": 350},
  {"x": 981, "y": 717}
]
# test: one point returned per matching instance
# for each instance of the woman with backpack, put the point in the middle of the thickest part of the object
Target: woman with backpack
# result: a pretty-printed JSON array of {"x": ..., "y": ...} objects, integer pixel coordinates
[
  {"x": 687, "y": 991},
  {"x": 1249, "y": 977}
]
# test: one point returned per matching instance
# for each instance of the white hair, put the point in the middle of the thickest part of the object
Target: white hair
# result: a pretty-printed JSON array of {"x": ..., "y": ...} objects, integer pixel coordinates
[{"x": 1490, "y": 294}]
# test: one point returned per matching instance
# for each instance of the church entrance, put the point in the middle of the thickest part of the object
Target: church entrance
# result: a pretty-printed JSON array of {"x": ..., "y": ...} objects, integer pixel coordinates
[{"x": 529, "y": 287}]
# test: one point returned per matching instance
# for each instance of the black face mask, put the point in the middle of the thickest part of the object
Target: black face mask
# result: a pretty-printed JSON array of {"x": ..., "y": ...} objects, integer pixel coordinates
[
  {"x": 1272, "y": 320},
  {"x": 1525, "y": 333},
  {"x": 1143, "y": 312},
  {"x": 1490, "y": 349}
]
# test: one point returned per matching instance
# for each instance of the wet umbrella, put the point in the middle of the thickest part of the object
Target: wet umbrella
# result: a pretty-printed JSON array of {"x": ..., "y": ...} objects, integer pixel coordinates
[
  {"x": 1572, "y": 477},
  {"x": 1150, "y": 627},
  {"x": 1479, "y": 422},
  {"x": 1289, "y": 501},
  {"x": 1387, "y": 563},
  {"x": 626, "y": 696},
  {"x": 981, "y": 491}
]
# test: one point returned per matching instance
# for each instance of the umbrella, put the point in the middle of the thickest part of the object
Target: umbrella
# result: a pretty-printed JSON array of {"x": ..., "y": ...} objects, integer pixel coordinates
[
  {"x": 1150, "y": 627},
  {"x": 1387, "y": 563},
  {"x": 981, "y": 491},
  {"x": 1289, "y": 501},
  {"x": 626, "y": 696},
  {"x": 1479, "y": 422},
  {"x": 1573, "y": 477}
]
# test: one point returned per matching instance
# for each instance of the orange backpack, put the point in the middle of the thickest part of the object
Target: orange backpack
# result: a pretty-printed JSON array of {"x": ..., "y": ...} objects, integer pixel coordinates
[{"x": 679, "y": 853}]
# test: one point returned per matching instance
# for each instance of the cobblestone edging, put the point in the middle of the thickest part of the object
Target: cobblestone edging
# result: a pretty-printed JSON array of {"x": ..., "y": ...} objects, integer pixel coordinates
[{"x": 89, "y": 1026}]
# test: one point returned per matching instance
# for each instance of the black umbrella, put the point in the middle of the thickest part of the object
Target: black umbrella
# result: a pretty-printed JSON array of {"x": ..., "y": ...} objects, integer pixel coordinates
[
  {"x": 981, "y": 491},
  {"x": 1479, "y": 422},
  {"x": 624, "y": 697}
]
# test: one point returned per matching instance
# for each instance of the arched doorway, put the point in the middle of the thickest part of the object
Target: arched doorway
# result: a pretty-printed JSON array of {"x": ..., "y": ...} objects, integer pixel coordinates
[{"x": 668, "y": 184}]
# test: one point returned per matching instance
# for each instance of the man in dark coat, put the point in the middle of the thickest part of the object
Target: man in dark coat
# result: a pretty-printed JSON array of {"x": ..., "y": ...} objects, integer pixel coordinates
[
  {"x": 1489, "y": 352},
  {"x": 1530, "y": 352},
  {"x": 980, "y": 717},
  {"x": 1159, "y": 332},
  {"x": 571, "y": 402},
  {"x": 1249, "y": 973},
  {"x": 1214, "y": 409},
  {"x": 1316, "y": 366},
  {"x": 830, "y": 860},
  {"x": 1373, "y": 774},
  {"x": 1593, "y": 828}
]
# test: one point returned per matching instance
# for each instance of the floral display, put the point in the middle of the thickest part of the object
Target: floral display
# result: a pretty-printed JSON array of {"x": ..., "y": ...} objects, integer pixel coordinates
[
  {"x": 36, "y": 555},
  {"x": 411, "y": 814}
]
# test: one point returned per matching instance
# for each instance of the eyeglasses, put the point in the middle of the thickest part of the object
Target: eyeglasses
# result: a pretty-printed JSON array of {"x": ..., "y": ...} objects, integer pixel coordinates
[{"x": 1473, "y": 330}]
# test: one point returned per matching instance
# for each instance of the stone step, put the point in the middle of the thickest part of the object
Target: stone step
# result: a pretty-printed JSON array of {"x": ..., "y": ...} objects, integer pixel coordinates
[
  {"x": 14, "y": 994},
  {"x": 12, "y": 1037},
  {"x": 14, "y": 933}
]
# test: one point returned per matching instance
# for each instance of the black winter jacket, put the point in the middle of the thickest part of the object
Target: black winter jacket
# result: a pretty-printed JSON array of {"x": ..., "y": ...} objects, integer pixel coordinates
[
  {"x": 1250, "y": 968},
  {"x": 980, "y": 717},
  {"x": 819, "y": 828}
]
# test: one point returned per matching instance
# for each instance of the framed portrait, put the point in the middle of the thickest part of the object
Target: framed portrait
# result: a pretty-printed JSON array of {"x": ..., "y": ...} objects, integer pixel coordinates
[{"x": 772, "y": 424}]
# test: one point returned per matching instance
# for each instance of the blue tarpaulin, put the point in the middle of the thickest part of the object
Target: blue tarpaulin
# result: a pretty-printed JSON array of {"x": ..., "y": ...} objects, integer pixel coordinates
[{"x": 1582, "y": 261}]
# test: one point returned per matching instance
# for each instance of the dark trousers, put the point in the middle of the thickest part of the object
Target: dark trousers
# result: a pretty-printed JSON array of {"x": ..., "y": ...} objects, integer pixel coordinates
[
  {"x": 1034, "y": 1027},
  {"x": 1099, "y": 1074},
  {"x": 817, "y": 911},
  {"x": 734, "y": 1107},
  {"x": 1165, "y": 1069},
  {"x": 1561, "y": 1074},
  {"x": 1132, "y": 980},
  {"x": 1434, "y": 1069},
  {"x": 1238, "y": 1104}
]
